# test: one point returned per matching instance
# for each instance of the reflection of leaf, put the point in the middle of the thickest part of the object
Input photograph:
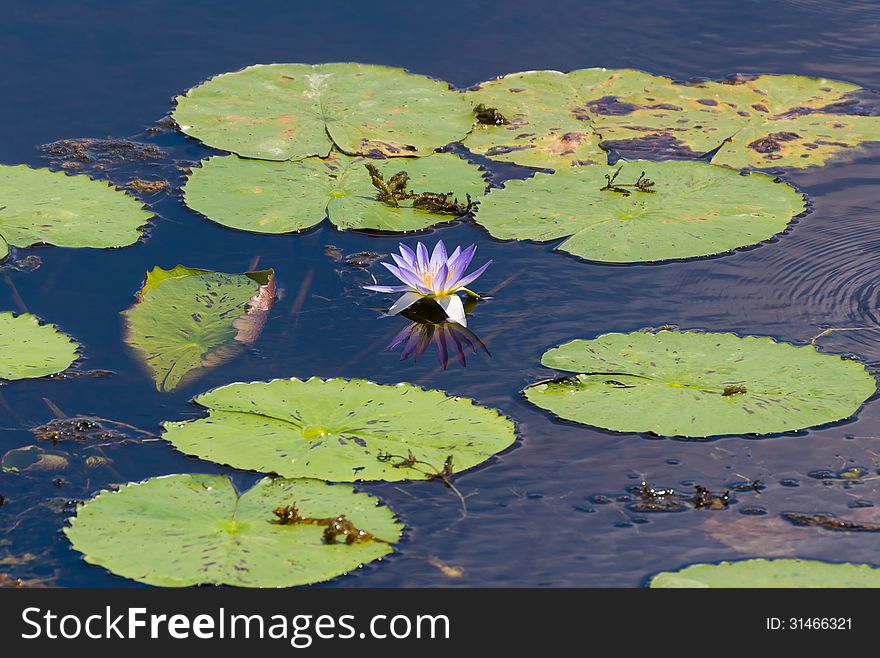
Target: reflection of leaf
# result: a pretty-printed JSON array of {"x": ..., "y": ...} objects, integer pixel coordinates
[
  {"x": 273, "y": 197},
  {"x": 187, "y": 319},
  {"x": 31, "y": 349},
  {"x": 759, "y": 121},
  {"x": 183, "y": 530},
  {"x": 291, "y": 111},
  {"x": 40, "y": 206},
  {"x": 693, "y": 209},
  {"x": 338, "y": 429},
  {"x": 770, "y": 573},
  {"x": 675, "y": 383}
]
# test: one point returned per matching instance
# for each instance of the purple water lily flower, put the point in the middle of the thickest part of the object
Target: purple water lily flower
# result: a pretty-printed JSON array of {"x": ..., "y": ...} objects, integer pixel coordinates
[{"x": 438, "y": 276}]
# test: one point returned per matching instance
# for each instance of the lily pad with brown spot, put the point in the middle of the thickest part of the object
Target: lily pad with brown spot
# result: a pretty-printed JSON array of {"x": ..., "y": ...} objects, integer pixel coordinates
[
  {"x": 547, "y": 125},
  {"x": 744, "y": 121},
  {"x": 697, "y": 385},
  {"x": 293, "y": 111}
]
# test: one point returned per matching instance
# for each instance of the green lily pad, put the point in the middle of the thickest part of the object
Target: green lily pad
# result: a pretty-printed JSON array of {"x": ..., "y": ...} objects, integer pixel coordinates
[
  {"x": 546, "y": 125},
  {"x": 692, "y": 384},
  {"x": 39, "y": 206},
  {"x": 281, "y": 197},
  {"x": 292, "y": 111},
  {"x": 341, "y": 430},
  {"x": 31, "y": 349},
  {"x": 770, "y": 574},
  {"x": 693, "y": 209},
  {"x": 753, "y": 121},
  {"x": 186, "y": 320},
  {"x": 183, "y": 530}
]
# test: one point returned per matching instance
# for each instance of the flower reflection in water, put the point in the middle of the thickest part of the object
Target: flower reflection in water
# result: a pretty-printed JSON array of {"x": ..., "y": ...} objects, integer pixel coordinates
[
  {"x": 429, "y": 326},
  {"x": 450, "y": 340}
]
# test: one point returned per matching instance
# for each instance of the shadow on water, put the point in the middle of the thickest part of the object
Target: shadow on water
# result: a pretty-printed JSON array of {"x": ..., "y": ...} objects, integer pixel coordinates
[{"x": 556, "y": 509}]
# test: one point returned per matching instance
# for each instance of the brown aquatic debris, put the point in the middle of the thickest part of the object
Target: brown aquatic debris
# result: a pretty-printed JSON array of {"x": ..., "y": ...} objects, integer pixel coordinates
[
  {"x": 829, "y": 522},
  {"x": 393, "y": 191},
  {"x": 489, "y": 116},
  {"x": 336, "y": 526}
]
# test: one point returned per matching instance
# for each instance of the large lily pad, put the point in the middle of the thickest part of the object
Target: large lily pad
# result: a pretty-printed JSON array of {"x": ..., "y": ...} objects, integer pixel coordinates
[
  {"x": 769, "y": 574},
  {"x": 183, "y": 530},
  {"x": 186, "y": 320},
  {"x": 341, "y": 430},
  {"x": 758, "y": 121},
  {"x": 693, "y": 209},
  {"x": 280, "y": 197},
  {"x": 291, "y": 111},
  {"x": 31, "y": 349},
  {"x": 692, "y": 384},
  {"x": 39, "y": 206}
]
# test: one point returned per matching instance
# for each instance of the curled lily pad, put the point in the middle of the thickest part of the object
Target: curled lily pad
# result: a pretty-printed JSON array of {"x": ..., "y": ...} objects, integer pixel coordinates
[
  {"x": 281, "y": 197},
  {"x": 341, "y": 430},
  {"x": 292, "y": 111},
  {"x": 692, "y": 384},
  {"x": 757, "y": 121},
  {"x": 39, "y": 206},
  {"x": 649, "y": 211},
  {"x": 770, "y": 573},
  {"x": 33, "y": 459},
  {"x": 31, "y": 349},
  {"x": 186, "y": 320},
  {"x": 182, "y": 530}
]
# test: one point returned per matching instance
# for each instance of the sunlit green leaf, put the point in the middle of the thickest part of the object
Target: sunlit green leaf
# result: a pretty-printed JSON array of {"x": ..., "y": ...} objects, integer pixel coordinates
[
  {"x": 770, "y": 574},
  {"x": 182, "y": 530},
  {"x": 32, "y": 349},
  {"x": 292, "y": 111},
  {"x": 39, "y": 206},
  {"x": 341, "y": 430},
  {"x": 280, "y": 197},
  {"x": 692, "y": 384},
  {"x": 692, "y": 209}
]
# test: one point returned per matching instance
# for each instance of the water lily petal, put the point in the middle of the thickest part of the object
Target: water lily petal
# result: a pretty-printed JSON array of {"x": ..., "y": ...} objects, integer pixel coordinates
[
  {"x": 422, "y": 258},
  {"x": 438, "y": 255},
  {"x": 438, "y": 283},
  {"x": 408, "y": 278},
  {"x": 460, "y": 264},
  {"x": 470, "y": 278},
  {"x": 388, "y": 288},
  {"x": 454, "y": 309},
  {"x": 402, "y": 263},
  {"x": 408, "y": 254},
  {"x": 405, "y": 301},
  {"x": 453, "y": 256}
]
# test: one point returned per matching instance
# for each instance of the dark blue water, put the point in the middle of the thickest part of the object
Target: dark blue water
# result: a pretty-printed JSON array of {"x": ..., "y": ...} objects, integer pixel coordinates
[{"x": 93, "y": 69}]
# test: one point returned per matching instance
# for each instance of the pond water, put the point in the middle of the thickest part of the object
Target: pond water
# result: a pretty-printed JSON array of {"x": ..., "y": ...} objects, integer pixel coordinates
[{"x": 534, "y": 519}]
